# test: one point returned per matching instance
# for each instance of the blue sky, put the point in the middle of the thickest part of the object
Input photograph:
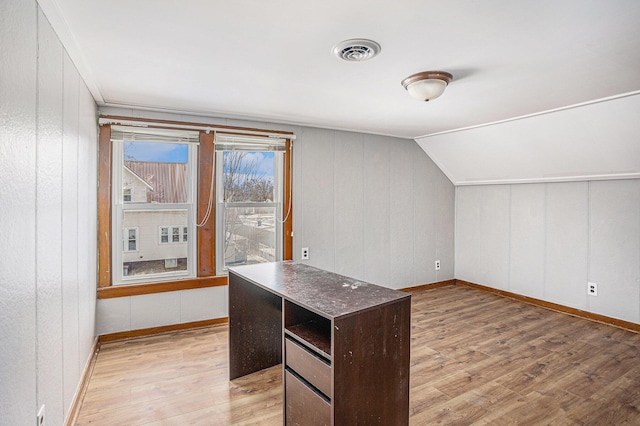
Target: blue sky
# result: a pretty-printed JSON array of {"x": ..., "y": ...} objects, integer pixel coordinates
[
  {"x": 177, "y": 153},
  {"x": 159, "y": 152}
]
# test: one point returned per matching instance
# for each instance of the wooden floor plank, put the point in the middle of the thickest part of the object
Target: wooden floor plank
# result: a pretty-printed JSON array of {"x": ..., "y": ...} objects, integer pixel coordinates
[{"x": 477, "y": 358}]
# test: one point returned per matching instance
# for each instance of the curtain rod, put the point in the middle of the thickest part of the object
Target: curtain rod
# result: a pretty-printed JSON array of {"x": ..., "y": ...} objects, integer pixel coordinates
[{"x": 138, "y": 123}]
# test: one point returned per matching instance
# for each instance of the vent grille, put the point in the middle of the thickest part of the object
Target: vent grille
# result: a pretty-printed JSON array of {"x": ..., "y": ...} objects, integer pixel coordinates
[{"x": 356, "y": 50}]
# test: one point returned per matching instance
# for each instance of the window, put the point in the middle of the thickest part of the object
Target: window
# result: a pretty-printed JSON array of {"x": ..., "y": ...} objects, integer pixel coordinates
[
  {"x": 249, "y": 176},
  {"x": 178, "y": 234},
  {"x": 154, "y": 189},
  {"x": 157, "y": 177},
  {"x": 130, "y": 239}
]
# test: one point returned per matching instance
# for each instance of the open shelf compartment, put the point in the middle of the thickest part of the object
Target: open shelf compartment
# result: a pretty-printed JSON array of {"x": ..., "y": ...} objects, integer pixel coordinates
[{"x": 309, "y": 328}]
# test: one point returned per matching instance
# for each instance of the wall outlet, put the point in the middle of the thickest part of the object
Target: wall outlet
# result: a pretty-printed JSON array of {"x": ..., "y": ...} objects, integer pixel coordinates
[
  {"x": 592, "y": 289},
  {"x": 437, "y": 265},
  {"x": 305, "y": 253},
  {"x": 40, "y": 418}
]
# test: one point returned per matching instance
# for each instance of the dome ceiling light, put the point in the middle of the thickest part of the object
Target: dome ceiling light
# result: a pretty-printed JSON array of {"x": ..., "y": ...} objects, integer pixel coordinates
[
  {"x": 427, "y": 85},
  {"x": 356, "y": 49}
]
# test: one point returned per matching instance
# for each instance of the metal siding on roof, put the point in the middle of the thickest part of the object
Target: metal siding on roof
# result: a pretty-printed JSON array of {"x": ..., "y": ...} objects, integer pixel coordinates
[{"x": 168, "y": 180}]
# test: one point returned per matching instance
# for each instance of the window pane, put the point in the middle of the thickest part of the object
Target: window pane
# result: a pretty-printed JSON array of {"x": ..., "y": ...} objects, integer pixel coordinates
[
  {"x": 176, "y": 235},
  {"x": 249, "y": 235},
  {"x": 155, "y": 172},
  {"x": 149, "y": 259},
  {"x": 248, "y": 176}
]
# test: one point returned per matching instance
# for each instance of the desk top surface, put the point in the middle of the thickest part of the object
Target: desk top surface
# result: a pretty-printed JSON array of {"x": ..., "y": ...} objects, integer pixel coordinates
[{"x": 328, "y": 294}]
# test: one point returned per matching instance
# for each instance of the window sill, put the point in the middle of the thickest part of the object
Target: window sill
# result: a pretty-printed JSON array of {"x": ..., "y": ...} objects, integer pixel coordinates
[{"x": 161, "y": 287}]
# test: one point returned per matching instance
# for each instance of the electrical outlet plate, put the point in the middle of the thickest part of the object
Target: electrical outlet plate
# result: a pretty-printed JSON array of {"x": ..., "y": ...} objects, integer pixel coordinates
[
  {"x": 437, "y": 265},
  {"x": 305, "y": 253},
  {"x": 40, "y": 418},
  {"x": 592, "y": 289}
]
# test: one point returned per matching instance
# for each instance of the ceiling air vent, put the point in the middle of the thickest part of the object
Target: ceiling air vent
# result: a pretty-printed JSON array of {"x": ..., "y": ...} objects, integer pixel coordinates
[{"x": 356, "y": 49}]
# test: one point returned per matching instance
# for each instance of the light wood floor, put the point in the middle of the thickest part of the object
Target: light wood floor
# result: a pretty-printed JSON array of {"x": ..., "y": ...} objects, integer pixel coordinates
[{"x": 477, "y": 358}]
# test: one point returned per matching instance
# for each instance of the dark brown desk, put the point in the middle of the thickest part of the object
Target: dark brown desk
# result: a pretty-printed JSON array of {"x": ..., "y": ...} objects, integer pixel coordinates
[{"x": 346, "y": 343}]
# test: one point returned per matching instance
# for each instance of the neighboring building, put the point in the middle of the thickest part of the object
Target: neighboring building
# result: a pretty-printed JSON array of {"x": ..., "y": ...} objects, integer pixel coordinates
[{"x": 155, "y": 241}]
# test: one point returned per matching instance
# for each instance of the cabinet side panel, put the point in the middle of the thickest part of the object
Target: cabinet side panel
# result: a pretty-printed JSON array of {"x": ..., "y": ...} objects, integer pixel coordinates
[
  {"x": 255, "y": 328},
  {"x": 371, "y": 366}
]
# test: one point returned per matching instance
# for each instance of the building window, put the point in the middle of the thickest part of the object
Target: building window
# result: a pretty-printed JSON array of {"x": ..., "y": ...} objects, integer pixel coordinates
[
  {"x": 249, "y": 201},
  {"x": 173, "y": 234},
  {"x": 130, "y": 239},
  {"x": 126, "y": 195}
]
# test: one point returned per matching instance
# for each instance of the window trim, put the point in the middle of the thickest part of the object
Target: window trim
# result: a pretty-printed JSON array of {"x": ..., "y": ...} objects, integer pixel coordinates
[{"x": 205, "y": 236}]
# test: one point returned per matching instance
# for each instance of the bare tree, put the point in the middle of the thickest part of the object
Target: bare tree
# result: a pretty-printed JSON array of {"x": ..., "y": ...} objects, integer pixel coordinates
[{"x": 243, "y": 181}]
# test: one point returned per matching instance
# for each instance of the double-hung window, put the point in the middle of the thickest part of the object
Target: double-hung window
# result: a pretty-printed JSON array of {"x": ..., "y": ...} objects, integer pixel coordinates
[
  {"x": 180, "y": 203},
  {"x": 154, "y": 184},
  {"x": 249, "y": 200}
]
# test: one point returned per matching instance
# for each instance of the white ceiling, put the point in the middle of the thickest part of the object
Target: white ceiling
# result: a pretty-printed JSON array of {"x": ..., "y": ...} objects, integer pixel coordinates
[{"x": 272, "y": 60}]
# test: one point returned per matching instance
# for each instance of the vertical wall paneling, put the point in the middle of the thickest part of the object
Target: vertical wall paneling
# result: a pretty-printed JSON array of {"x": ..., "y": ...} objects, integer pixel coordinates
[
  {"x": 70, "y": 308},
  {"x": 376, "y": 214},
  {"x": 527, "y": 240},
  {"x": 566, "y": 244},
  {"x": 349, "y": 205},
  {"x": 155, "y": 310},
  {"x": 49, "y": 220},
  {"x": 561, "y": 236},
  {"x": 48, "y": 235},
  {"x": 401, "y": 214},
  {"x": 203, "y": 304},
  {"x": 18, "y": 50},
  {"x": 317, "y": 206},
  {"x": 468, "y": 233},
  {"x": 87, "y": 221},
  {"x": 615, "y": 248},
  {"x": 445, "y": 222},
  {"x": 495, "y": 225},
  {"x": 424, "y": 225}
]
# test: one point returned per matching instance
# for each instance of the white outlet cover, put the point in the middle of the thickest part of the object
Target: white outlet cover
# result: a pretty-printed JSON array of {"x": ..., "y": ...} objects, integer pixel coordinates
[{"x": 592, "y": 289}]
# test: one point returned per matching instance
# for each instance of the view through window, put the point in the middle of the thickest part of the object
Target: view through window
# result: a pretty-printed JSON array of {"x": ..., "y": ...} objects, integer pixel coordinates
[
  {"x": 249, "y": 207},
  {"x": 154, "y": 210}
]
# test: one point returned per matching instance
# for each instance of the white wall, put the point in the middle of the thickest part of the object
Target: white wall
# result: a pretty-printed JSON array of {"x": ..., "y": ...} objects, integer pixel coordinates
[
  {"x": 48, "y": 161},
  {"x": 548, "y": 240},
  {"x": 372, "y": 207}
]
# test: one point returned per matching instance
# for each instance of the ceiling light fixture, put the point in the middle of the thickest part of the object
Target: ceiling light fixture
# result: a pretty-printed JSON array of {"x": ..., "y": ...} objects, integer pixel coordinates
[
  {"x": 356, "y": 49},
  {"x": 428, "y": 85}
]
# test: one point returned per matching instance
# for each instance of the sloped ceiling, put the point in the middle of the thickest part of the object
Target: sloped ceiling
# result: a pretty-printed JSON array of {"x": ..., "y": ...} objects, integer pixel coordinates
[{"x": 272, "y": 60}]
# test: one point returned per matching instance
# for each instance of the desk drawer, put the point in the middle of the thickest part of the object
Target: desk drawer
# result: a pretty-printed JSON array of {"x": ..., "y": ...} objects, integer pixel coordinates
[
  {"x": 303, "y": 406},
  {"x": 308, "y": 365}
]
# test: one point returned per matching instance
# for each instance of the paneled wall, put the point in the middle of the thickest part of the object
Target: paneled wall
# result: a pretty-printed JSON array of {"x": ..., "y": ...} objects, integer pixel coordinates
[
  {"x": 48, "y": 162},
  {"x": 548, "y": 240},
  {"x": 372, "y": 207}
]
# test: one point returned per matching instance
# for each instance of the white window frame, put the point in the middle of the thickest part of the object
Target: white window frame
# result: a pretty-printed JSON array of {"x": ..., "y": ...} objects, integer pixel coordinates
[
  {"x": 119, "y": 207},
  {"x": 278, "y": 188},
  {"x": 125, "y": 239}
]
